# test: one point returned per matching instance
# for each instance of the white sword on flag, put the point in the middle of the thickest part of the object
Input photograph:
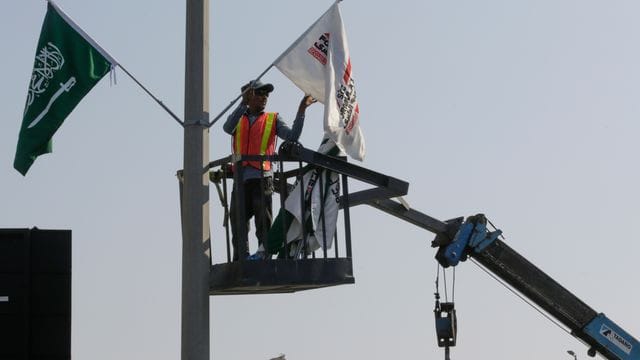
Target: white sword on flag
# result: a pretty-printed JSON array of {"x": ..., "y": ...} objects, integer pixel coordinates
[{"x": 63, "y": 88}]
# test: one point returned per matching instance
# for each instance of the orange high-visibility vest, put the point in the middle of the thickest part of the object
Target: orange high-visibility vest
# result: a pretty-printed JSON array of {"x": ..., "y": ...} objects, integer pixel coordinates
[{"x": 256, "y": 139}]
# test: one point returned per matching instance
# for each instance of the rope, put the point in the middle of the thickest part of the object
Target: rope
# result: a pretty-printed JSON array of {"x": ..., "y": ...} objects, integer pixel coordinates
[
  {"x": 522, "y": 297},
  {"x": 437, "y": 281},
  {"x": 494, "y": 228},
  {"x": 453, "y": 286},
  {"x": 444, "y": 276}
]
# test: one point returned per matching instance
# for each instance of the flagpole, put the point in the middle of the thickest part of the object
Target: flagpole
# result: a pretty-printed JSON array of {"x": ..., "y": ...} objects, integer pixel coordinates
[
  {"x": 196, "y": 242},
  {"x": 272, "y": 64},
  {"x": 174, "y": 116},
  {"x": 238, "y": 97}
]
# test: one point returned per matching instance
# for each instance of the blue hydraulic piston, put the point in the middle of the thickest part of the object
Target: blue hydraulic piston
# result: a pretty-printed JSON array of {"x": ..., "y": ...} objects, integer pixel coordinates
[
  {"x": 471, "y": 236},
  {"x": 482, "y": 238},
  {"x": 454, "y": 251}
]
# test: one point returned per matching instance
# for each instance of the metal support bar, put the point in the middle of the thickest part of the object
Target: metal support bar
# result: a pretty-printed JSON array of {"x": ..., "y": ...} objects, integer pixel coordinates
[
  {"x": 412, "y": 216},
  {"x": 296, "y": 151},
  {"x": 347, "y": 215},
  {"x": 370, "y": 195},
  {"x": 227, "y": 214}
]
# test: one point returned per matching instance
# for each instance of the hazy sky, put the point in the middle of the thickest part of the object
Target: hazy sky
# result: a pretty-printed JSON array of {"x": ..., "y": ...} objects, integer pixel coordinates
[{"x": 524, "y": 110}]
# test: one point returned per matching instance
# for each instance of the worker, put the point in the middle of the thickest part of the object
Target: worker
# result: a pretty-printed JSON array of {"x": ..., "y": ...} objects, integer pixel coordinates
[{"x": 253, "y": 132}]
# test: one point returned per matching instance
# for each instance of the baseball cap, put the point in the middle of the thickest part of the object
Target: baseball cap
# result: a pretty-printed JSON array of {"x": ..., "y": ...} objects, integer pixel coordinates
[{"x": 257, "y": 85}]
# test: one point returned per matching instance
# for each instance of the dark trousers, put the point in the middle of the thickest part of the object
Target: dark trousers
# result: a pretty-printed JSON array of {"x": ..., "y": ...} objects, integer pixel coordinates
[{"x": 257, "y": 203}]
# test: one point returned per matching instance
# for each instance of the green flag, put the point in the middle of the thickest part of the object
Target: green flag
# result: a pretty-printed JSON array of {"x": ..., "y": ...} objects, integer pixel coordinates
[{"x": 67, "y": 65}]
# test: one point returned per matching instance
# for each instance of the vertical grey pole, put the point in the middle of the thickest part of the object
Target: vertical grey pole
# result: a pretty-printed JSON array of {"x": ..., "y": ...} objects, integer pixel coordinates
[{"x": 196, "y": 246}]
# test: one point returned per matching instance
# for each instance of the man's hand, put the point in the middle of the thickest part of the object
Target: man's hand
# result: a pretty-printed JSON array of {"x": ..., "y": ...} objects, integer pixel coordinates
[{"x": 305, "y": 102}]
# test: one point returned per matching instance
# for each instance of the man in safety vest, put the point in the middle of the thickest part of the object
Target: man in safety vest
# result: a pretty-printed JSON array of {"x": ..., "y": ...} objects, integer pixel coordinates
[{"x": 253, "y": 132}]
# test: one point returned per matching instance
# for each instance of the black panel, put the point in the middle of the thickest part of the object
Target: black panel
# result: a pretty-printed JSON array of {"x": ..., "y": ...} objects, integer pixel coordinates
[
  {"x": 13, "y": 342},
  {"x": 13, "y": 250},
  {"x": 50, "y": 337},
  {"x": 35, "y": 294},
  {"x": 51, "y": 251},
  {"x": 13, "y": 291},
  {"x": 50, "y": 294}
]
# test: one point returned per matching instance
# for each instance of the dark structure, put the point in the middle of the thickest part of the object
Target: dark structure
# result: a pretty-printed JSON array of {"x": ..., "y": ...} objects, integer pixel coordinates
[{"x": 35, "y": 294}]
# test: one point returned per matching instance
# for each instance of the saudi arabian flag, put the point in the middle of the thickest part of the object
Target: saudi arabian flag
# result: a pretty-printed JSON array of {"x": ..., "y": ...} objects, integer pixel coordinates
[{"x": 68, "y": 64}]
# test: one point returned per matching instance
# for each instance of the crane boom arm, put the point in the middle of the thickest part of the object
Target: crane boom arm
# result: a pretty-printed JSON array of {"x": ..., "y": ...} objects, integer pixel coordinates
[
  {"x": 595, "y": 329},
  {"x": 458, "y": 239}
]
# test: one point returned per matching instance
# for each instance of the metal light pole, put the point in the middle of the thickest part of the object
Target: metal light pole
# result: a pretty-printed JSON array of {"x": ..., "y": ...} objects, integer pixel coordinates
[
  {"x": 196, "y": 242},
  {"x": 570, "y": 352}
]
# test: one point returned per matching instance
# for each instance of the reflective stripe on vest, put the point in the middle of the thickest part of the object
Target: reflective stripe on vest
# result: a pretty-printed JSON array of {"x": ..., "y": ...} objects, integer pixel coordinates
[
  {"x": 245, "y": 140},
  {"x": 241, "y": 128}
]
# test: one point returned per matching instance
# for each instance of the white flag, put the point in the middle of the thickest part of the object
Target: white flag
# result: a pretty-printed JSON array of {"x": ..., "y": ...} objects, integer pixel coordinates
[
  {"x": 322, "y": 204},
  {"x": 319, "y": 64}
]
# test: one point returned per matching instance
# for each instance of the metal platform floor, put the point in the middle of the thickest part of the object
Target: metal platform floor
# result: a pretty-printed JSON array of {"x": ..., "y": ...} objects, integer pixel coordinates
[{"x": 279, "y": 276}]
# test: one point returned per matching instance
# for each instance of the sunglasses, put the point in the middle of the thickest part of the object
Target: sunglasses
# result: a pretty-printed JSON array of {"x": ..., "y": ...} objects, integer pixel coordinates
[{"x": 261, "y": 92}]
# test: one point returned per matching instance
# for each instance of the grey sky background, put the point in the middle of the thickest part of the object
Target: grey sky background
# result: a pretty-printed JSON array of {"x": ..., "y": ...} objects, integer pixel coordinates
[{"x": 526, "y": 111}]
